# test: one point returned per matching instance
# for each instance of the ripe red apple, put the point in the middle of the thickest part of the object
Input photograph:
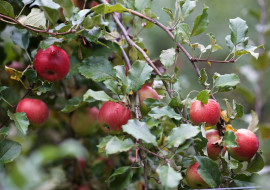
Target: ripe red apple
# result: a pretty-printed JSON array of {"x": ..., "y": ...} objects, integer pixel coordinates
[
  {"x": 144, "y": 93},
  {"x": 84, "y": 121},
  {"x": 248, "y": 145},
  {"x": 208, "y": 113},
  {"x": 52, "y": 64},
  {"x": 36, "y": 110},
  {"x": 195, "y": 181},
  {"x": 213, "y": 149},
  {"x": 112, "y": 116}
]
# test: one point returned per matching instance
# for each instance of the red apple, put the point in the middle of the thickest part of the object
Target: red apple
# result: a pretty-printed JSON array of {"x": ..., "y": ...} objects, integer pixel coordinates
[
  {"x": 213, "y": 149},
  {"x": 36, "y": 110},
  {"x": 78, "y": 3},
  {"x": 195, "y": 181},
  {"x": 113, "y": 115},
  {"x": 52, "y": 64},
  {"x": 144, "y": 93},
  {"x": 248, "y": 145},
  {"x": 84, "y": 121},
  {"x": 81, "y": 162},
  {"x": 208, "y": 113}
]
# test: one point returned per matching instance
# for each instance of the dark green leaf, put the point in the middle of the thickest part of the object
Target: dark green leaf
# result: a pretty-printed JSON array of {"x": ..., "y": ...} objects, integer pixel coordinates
[
  {"x": 209, "y": 171},
  {"x": 139, "y": 130},
  {"x": 72, "y": 104},
  {"x": 158, "y": 112},
  {"x": 168, "y": 176},
  {"x": 200, "y": 23},
  {"x": 67, "y": 6},
  {"x": 91, "y": 96},
  {"x": 9, "y": 151},
  {"x": 230, "y": 139},
  {"x": 30, "y": 74},
  {"x": 120, "y": 179},
  {"x": 21, "y": 121},
  {"x": 167, "y": 57},
  {"x": 4, "y": 131},
  {"x": 203, "y": 78},
  {"x": 180, "y": 134},
  {"x": 115, "y": 145},
  {"x": 203, "y": 96},
  {"x": 112, "y": 85},
  {"x": 45, "y": 87},
  {"x": 226, "y": 82},
  {"x": 6, "y": 9},
  {"x": 256, "y": 164},
  {"x": 239, "y": 30},
  {"x": 139, "y": 72},
  {"x": 149, "y": 102},
  {"x": 21, "y": 37},
  {"x": 97, "y": 68},
  {"x": 238, "y": 110},
  {"x": 93, "y": 34}
]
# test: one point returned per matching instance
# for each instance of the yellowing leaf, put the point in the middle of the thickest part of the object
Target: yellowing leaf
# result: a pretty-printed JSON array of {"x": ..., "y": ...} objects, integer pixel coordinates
[
  {"x": 209, "y": 63},
  {"x": 15, "y": 75},
  {"x": 229, "y": 127},
  {"x": 207, "y": 128},
  {"x": 224, "y": 116}
]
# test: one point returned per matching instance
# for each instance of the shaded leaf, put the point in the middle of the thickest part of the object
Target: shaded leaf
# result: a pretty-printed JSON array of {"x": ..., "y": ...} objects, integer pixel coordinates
[
  {"x": 120, "y": 179},
  {"x": 93, "y": 34},
  {"x": 226, "y": 82},
  {"x": 72, "y": 104},
  {"x": 158, "y": 112},
  {"x": 21, "y": 121},
  {"x": 182, "y": 30},
  {"x": 167, "y": 57},
  {"x": 9, "y": 151},
  {"x": 256, "y": 164},
  {"x": 21, "y": 37}
]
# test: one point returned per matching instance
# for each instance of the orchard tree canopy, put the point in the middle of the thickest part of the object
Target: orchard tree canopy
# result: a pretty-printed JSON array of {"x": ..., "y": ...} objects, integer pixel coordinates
[{"x": 134, "y": 94}]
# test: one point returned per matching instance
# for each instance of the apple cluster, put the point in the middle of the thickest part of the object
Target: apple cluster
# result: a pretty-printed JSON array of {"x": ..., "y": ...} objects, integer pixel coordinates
[{"x": 210, "y": 113}]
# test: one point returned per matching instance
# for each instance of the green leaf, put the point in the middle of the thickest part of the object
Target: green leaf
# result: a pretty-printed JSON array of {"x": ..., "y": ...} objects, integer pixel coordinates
[
  {"x": 27, "y": 2},
  {"x": 209, "y": 171},
  {"x": 79, "y": 18},
  {"x": 4, "y": 131},
  {"x": 238, "y": 110},
  {"x": 6, "y": 9},
  {"x": 112, "y": 85},
  {"x": 253, "y": 126},
  {"x": 158, "y": 112},
  {"x": 182, "y": 30},
  {"x": 115, "y": 145},
  {"x": 2, "y": 88},
  {"x": 226, "y": 82},
  {"x": 72, "y": 104},
  {"x": 91, "y": 96},
  {"x": 121, "y": 74},
  {"x": 256, "y": 164},
  {"x": 93, "y": 34},
  {"x": 229, "y": 43},
  {"x": 230, "y": 139},
  {"x": 97, "y": 68},
  {"x": 187, "y": 7},
  {"x": 214, "y": 46},
  {"x": 247, "y": 49},
  {"x": 36, "y": 18},
  {"x": 9, "y": 151},
  {"x": 107, "y": 8},
  {"x": 168, "y": 176},
  {"x": 44, "y": 44},
  {"x": 200, "y": 24},
  {"x": 21, "y": 121},
  {"x": 169, "y": 12},
  {"x": 120, "y": 179},
  {"x": 46, "y": 3},
  {"x": 30, "y": 74},
  {"x": 239, "y": 30},
  {"x": 149, "y": 102},
  {"x": 139, "y": 130},
  {"x": 139, "y": 72},
  {"x": 21, "y": 37},
  {"x": 167, "y": 57},
  {"x": 203, "y": 96},
  {"x": 67, "y": 6},
  {"x": 45, "y": 87},
  {"x": 180, "y": 134},
  {"x": 102, "y": 145},
  {"x": 203, "y": 78}
]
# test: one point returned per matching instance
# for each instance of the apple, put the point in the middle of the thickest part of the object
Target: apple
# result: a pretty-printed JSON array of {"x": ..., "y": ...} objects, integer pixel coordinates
[
  {"x": 248, "y": 145},
  {"x": 208, "y": 113},
  {"x": 144, "y": 93},
  {"x": 84, "y": 121},
  {"x": 17, "y": 66},
  {"x": 112, "y": 116},
  {"x": 52, "y": 64},
  {"x": 36, "y": 110},
  {"x": 78, "y": 3},
  {"x": 81, "y": 163},
  {"x": 195, "y": 181},
  {"x": 213, "y": 149}
]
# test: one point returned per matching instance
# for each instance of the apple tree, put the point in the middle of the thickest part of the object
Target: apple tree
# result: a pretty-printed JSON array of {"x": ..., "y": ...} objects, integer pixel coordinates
[{"x": 85, "y": 106}]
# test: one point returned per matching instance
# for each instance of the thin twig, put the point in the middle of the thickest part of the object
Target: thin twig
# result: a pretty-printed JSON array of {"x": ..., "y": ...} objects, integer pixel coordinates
[{"x": 156, "y": 155}]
